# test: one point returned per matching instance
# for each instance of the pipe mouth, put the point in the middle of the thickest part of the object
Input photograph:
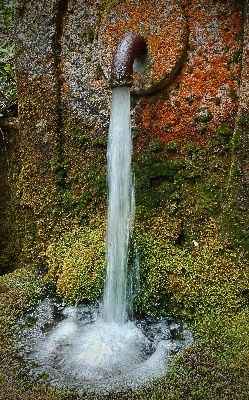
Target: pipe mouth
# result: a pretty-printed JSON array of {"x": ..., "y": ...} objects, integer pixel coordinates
[
  {"x": 164, "y": 26},
  {"x": 126, "y": 81},
  {"x": 133, "y": 46}
]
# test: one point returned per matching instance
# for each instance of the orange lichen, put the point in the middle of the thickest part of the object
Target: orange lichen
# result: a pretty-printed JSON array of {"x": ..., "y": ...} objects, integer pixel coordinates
[
  {"x": 65, "y": 87},
  {"x": 163, "y": 27},
  {"x": 208, "y": 80}
]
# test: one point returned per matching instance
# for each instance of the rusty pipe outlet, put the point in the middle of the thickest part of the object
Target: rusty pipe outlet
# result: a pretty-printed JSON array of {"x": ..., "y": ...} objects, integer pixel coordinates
[{"x": 130, "y": 47}]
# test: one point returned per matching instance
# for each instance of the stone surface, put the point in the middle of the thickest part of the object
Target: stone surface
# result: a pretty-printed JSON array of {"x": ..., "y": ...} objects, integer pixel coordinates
[
  {"x": 164, "y": 27},
  {"x": 192, "y": 85},
  {"x": 240, "y": 167}
]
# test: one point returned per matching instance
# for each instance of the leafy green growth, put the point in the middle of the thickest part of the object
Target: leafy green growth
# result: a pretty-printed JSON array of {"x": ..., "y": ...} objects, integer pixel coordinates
[
  {"x": 90, "y": 35},
  {"x": 78, "y": 136},
  {"x": 99, "y": 72},
  {"x": 232, "y": 94},
  {"x": 237, "y": 142}
]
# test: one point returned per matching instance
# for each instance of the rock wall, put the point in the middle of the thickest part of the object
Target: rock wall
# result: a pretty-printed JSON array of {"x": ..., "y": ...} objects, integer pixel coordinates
[
  {"x": 237, "y": 215},
  {"x": 187, "y": 108}
]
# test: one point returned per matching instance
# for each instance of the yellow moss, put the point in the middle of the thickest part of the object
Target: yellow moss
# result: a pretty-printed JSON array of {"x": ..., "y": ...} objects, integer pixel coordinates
[{"x": 76, "y": 262}]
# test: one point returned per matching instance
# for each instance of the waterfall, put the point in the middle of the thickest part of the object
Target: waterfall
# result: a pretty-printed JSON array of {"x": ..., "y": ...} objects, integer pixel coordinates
[
  {"x": 104, "y": 352},
  {"x": 120, "y": 207}
]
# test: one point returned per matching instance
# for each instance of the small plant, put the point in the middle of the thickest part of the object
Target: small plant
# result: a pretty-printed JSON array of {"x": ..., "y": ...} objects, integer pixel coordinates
[
  {"x": 100, "y": 142},
  {"x": 155, "y": 145},
  {"x": 201, "y": 128},
  {"x": 90, "y": 36},
  {"x": 242, "y": 120},
  {"x": 223, "y": 130},
  {"x": 99, "y": 72},
  {"x": 232, "y": 94},
  {"x": 217, "y": 101},
  {"x": 190, "y": 70},
  {"x": 190, "y": 147},
  {"x": 165, "y": 95},
  {"x": 78, "y": 136},
  {"x": 204, "y": 116},
  {"x": 237, "y": 142},
  {"x": 59, "y": 170},
  {"x": 173, "y": 146}
]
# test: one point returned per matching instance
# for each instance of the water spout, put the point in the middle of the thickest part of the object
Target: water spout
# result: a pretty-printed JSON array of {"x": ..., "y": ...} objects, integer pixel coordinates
[
  {"x": 120, "y": 207},
  {"x": 129, "y": 48}
]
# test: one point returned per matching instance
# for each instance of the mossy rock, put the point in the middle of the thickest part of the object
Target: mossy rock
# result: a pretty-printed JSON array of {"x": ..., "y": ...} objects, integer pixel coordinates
[{"x": 76, "y": 262}]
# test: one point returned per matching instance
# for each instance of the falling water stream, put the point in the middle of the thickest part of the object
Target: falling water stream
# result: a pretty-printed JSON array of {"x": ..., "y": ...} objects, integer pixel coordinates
[
  {"x": 120, "y": 206},
  {"x": 99, "y": 348}
]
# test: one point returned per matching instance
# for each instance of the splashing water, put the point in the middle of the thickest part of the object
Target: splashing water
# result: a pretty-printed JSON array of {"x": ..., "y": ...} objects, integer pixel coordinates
[
  {"x": 74, "y": 347},
  {"x": 120, "y": 206}
]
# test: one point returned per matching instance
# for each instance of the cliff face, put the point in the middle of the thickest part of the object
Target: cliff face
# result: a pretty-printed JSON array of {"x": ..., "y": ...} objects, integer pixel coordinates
[{"x": 189, "y": 115}]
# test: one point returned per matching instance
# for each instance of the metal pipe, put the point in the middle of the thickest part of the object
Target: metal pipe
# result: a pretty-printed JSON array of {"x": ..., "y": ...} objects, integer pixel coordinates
[{"x": 130, "y": 47}]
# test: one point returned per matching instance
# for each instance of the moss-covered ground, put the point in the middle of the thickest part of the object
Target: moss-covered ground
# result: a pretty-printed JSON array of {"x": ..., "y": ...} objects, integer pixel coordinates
[{"x": 205, "y": 285}]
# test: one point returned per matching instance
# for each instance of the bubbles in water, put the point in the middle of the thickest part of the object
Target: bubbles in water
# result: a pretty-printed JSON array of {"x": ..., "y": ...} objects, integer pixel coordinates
[{"x": 74, "y": 346}]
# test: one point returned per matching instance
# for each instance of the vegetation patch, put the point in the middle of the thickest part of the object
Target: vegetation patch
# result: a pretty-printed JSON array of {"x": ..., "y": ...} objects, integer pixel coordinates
[{"x": 76, "y": 262}]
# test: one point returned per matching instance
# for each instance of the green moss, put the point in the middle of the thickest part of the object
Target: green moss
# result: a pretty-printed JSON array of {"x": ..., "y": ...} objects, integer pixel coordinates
[
  {"x": 106, "y": 6},
  {"x": 242, "y": 120},
  {"x": 201, "y": 128},
  {"x": 155, "y": 145},
  {"x": 232, "y": 94},
  {"x": 76, "y": 262},
  {"x": 165, "y": 94},
  {"x": 77, "y": 134},
  {"x": 99, "y": 72},
  {"x": 190, "y": 147},
  {"x": 237, "y": 56},
  {"x": 153, "y": 175},
  {"x": 223, "y": 130},
  {"x": 90, "y": 35},
  {"x": 13, "y": 241},
  {"x": 208, "y": 198},
  {"x": 206, "y": 116},
  {"x": 100, "y": 142},
  {"x": 235, "y": 227},
  {"x": 59, "y": 170},
  {"x": 173, "y": 146},
  {"x": 217, "y": 101},
  {"x": 237, "y": 142}
]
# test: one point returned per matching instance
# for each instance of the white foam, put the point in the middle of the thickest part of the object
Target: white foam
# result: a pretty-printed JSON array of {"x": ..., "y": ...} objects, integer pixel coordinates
[{"x": 83, "y": 349}]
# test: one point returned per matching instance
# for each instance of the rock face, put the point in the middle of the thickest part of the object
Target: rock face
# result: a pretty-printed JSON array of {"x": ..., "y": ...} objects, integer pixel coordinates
[
  {"x": 184, "y": 108},
  {"x": 164, "y": 28}
]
